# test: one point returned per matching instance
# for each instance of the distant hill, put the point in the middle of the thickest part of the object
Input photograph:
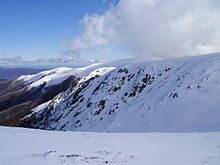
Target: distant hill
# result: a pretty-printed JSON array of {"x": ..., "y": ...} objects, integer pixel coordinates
[{"x": 12, "y": 73}]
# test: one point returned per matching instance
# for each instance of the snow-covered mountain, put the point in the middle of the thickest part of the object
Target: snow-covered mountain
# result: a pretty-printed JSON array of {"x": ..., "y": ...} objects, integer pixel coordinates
[{"x": 132, "y": 95}]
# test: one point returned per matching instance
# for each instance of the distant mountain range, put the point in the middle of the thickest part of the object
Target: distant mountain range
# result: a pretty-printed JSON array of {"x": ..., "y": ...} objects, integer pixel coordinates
[
  {"x": 176, "y": 95},
  {"x": 12, "y": 73}
]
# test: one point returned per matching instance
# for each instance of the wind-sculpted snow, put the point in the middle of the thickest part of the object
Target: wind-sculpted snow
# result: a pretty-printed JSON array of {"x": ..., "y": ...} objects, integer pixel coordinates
[{"x": 180, "y": 95}]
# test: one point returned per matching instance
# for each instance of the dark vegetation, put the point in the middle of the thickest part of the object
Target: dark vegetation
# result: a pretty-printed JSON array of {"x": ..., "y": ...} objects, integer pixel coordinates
[{"x": 16, "y": 101}]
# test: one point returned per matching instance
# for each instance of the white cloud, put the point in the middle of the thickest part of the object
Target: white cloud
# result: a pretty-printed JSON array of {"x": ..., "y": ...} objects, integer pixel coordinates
[
  {"x": 96, "y": 33},
  {"x": 4, "y": 59},
  {"x": 56, "y": 60},
  {"x": 154, "y": 28},
  {"x": 2, "y": 56}
]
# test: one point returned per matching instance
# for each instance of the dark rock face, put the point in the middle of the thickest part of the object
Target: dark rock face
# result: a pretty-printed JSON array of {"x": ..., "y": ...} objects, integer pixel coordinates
[
  {"x": 96, "y": 97},
  {"x": 16, "y": 101}
]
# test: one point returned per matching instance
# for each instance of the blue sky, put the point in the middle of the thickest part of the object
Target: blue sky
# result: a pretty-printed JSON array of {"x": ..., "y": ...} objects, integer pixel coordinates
[
  {"x": 37, "y": 28},
  {"x": 79, "y": 31}
]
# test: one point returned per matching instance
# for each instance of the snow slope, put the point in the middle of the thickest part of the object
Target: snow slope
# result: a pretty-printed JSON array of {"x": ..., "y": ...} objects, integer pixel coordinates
[
  {"x": 33, "y": 147},
  {"x": 51, "y": 77},
  {"x": 58, "y": 75},
  {"x": 176, "y": 95}
]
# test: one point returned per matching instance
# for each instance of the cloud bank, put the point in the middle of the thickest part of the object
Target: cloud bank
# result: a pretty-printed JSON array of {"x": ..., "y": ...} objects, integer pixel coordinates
[
  {"x": 154, "y": 28},
  {"x": 66, "y": 58}
]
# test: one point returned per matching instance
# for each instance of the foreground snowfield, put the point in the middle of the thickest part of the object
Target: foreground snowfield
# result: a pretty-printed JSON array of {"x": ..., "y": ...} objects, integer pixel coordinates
[{"x": 19, "y": 146}]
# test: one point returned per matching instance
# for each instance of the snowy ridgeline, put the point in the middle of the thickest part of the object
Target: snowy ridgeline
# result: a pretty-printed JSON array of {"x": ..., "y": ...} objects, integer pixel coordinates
[
  {"x": 34, "y": 147},
  {"x": 177, "y": 95}
]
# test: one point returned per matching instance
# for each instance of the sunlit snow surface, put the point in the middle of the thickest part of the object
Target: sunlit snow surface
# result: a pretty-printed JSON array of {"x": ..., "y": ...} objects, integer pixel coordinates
[{"x": 20, "y": 146}]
